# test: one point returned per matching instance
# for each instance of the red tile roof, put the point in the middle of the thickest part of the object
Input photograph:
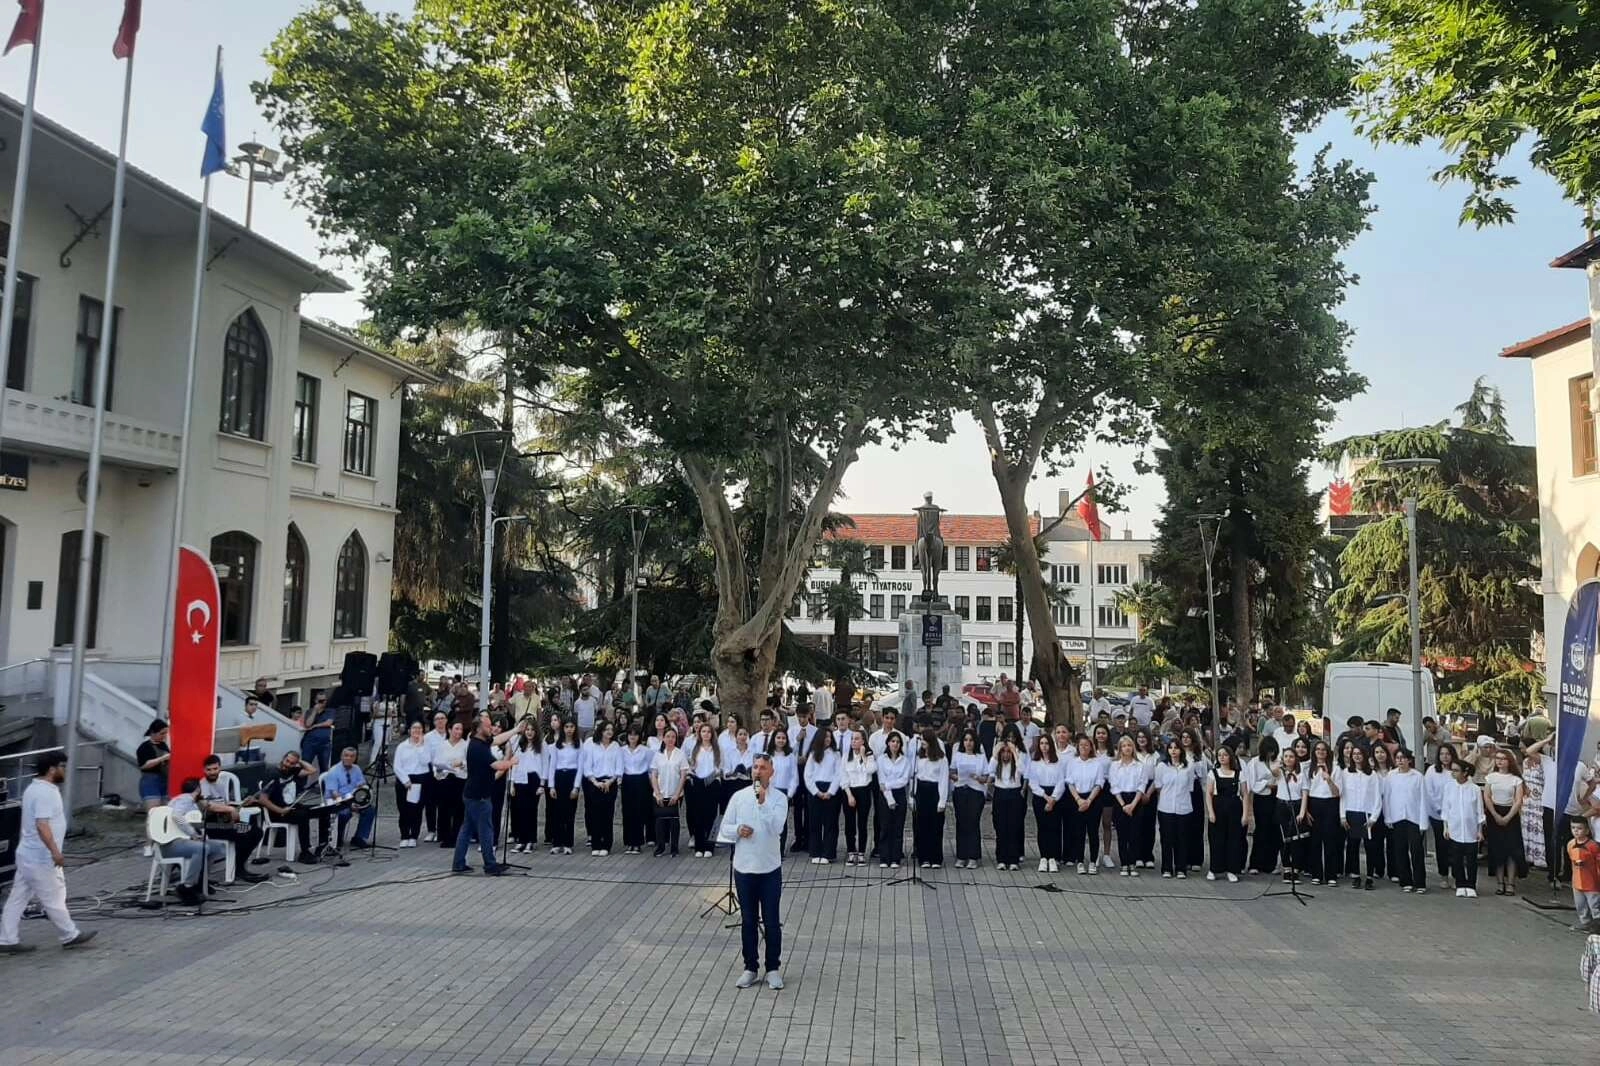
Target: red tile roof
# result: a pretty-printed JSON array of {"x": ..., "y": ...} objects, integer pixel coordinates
[
  {"x": 1579, "y": 257},
  {"x": 1544, "y": 342},
  {"x": 956, "y": 528}
]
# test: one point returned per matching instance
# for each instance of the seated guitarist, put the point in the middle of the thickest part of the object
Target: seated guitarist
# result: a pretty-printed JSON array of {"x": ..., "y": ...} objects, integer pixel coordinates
[
  {"x": 219, "y": 799},
  {"x": 277, "y": 796}
]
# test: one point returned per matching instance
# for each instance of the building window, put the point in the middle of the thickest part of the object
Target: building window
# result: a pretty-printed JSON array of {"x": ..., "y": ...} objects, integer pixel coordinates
[
  {"x": 966, "y": 653},
  {"x": 897, "y": 557},
  {"x": 963, "y": 558},
  {"x": 91, "y": 326},
  {"x": 964, "y": 607},
  {"x": 244, "y": 379},
  {"x": 817, "y": 607},
  {"x": 1583, "y": 439},
  {"x": 1146, "y": 573},
  {"x": 350, "y": 590},
  {"x": 1006, "y": 610},
  {"x": 1008, "y": 653},
  {"x": 233, "y": 555},
  {"x": 1065, "y": 574},
  {"x": 360, "y": 432},
  {"x": 1111, "y": 574},
  {"x": 944, "y": 560},
  {"x": 876, "y": 610},
  {"x": 875, "y": 553},
  {"x": 983, "y": 609},
  {"x": 897, "y": 606},
  {"x": 294, "y": 588},
  {"x": 794, "y": 607},
  {"x": 67, "y": 586},
  {"x": 1110, "y": 616},
  {"x": 21, "y": 318},
  {"x": 985, "y": 560},
  {"x": 985, "y": 653},
  {"x": 1067, "y": 614},
  {"x": 306, "y": 388}
]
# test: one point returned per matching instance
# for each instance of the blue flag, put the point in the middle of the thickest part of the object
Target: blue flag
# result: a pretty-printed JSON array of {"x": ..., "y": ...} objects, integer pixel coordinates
[{"x": 214, "y": 127}]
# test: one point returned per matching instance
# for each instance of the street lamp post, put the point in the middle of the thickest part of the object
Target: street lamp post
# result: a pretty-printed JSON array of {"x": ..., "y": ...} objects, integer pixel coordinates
[
  {"x": 256, "y": 162},
  {"x": 489, "y": 452},
  {"x": 638, "y": 523},
  {"x": 1209, "y": 545},
  {"x": 1413, "y": 600}
]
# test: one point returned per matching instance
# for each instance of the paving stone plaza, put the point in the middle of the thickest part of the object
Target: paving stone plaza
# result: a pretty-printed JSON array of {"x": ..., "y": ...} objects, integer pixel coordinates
[{"x": 615, "y": 960}]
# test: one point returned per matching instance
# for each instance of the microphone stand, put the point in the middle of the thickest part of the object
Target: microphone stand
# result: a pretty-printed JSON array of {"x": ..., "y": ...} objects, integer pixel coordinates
[
  {"x": 378, "y": 769},
  {"x": 914, "y": 877},
  {"x": 505, "y": 823},
  {"x": 1290, "y": 849}
]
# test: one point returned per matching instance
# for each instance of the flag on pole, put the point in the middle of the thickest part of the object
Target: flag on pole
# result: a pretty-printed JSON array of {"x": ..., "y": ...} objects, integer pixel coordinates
[
  {"x": 191, "y": 708},
  {"x": 26, "y": 31},
  {"x": 214, "y": 126},
  {"x": 123, "y": 47},
  {"x": 1091, "y": 513}
]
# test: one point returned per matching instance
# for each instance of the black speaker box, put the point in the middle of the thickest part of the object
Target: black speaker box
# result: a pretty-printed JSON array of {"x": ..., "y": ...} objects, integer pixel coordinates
[{"x": 360, "y": 671}]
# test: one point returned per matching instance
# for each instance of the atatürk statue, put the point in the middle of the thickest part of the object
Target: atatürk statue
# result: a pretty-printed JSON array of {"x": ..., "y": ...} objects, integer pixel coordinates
[{"x": 929, "y": 548}]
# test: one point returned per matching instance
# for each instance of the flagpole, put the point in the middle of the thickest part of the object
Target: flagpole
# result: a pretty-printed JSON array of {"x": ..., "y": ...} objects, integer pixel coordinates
[
  {"x": 19, "y": 199},
  {"x": 80, "y": 619},
  {"x": 168, "y": 605},
  {"x": 1094, "y": 667}
]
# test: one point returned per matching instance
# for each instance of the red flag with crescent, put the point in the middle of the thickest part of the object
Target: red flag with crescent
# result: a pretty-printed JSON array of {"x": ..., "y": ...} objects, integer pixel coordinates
[
  {"x": 196, "y": 642},
  {"x": 1089, "y": 511}
]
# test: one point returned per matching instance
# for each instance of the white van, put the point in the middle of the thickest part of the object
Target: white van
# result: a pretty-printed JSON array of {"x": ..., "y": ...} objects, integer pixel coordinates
[{"x": 1370, "y": 689}]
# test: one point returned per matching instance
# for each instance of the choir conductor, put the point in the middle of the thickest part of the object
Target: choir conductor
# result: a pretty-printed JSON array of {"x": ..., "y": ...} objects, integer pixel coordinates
[{"x": 755, "y": 820}]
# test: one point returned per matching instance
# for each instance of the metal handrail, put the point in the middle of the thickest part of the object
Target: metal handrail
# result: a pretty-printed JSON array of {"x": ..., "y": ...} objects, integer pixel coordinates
[
  {"x": 99, "y": 768},
  {"x": 25, "y": 662}
]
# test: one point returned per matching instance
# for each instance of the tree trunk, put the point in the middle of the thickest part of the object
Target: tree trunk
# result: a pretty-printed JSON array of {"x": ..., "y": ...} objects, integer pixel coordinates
[
  {"x": 743, "y": 675},
  {"x": 1244, "y": 637},
  {"x": 1021, "y": 616},
  {"x": 841, "y": 631},
  {"x": 1055, "y": 674}
]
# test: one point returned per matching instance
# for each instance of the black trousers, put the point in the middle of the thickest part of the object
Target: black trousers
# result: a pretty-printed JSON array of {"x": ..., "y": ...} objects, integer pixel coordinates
[
  {"x": 1411, "y": 858},
  {"x": 451, "y": 808},
  {"x": 892, "y": 830},
  {"x": 1464, "y": 863},
  {"x": 667, "y": 822},
  {"x": 1145, "y": 819},
  {"x": 824, "y": 823},
  {"x": 875, "y": 804},
  {"x": 1227, "y": 835},
  {"x": 1378, "y": 850},
  {"x": 1194, "y": 843},
  {"x": 855, "y": 819},
  {"x": 1076, "y": 827},
  {"x": 1293, "y": 839},
  {"x": 798, "y": 804},
  {"x": 1048, "y": 823},
  {"x": 525, "y": 811},
  {"x": 604, "y": 821},
  {"x": 430, "y": 802},
  {"x": 1009, "y": 813},
  {"x": 1174, "y": 841},
  {"x": 1356, "y": 840},
  {"x": 1127, "y": 827},
  {"x": 969, "y": 824},
  {"x": 1441, "y": 847},
  {"x": 637, "y": 809},
  {"x": 561, "y": 812},
  {"x": 927, "y": 832},
  {"x": 700, "y": 807},
  {"x": 590, "y": 794},
  {"x": 1268, "y": 836},
  {"x": 1327, "y": 838},
  {"x": 410, "y": 813}
]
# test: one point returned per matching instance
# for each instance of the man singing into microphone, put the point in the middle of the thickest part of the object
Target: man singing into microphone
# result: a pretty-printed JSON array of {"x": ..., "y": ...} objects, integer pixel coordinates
[{"x": 757, "y": 815}]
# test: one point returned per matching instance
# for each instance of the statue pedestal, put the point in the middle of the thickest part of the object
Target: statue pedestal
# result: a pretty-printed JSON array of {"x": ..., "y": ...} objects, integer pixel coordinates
[{"x": 930, "y": 668}]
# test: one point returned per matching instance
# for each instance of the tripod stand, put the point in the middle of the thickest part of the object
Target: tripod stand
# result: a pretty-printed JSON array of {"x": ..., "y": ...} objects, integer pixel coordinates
[
  {"x": 913, "y": 877},
  {"x": 378, "y": 770},
  {"x": 728, "y": 902},
  {"x": 505, "y": 821},
  {"x": 1290, "y": 832}
]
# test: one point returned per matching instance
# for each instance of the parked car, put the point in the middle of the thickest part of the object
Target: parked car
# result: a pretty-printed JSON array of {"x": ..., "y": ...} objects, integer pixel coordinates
[{"x": 981, "y": 693}]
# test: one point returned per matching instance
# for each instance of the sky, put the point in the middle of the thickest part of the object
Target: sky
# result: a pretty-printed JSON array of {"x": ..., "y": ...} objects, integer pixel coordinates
[{"x": 1435, "y": 304}]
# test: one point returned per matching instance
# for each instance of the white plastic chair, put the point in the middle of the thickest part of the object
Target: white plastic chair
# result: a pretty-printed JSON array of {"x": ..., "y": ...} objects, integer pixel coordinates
[
  {"x": 158, "y": 829},
  {"x": 291, "y": 838}
]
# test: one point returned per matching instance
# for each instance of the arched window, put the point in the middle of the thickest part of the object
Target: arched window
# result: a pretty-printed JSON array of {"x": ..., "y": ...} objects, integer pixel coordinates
[
  {"x": 350, "y": 590},
  {"x": 244, "y": 378},
  {"x": 294, "y": 587},
  {"x": 233, "y": 554}
]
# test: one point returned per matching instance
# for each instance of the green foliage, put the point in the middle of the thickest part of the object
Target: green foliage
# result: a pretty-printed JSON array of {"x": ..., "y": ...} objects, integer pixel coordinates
[
  {"x": 1480, "y": 78},
  {"x": 1478, "y": 554}
]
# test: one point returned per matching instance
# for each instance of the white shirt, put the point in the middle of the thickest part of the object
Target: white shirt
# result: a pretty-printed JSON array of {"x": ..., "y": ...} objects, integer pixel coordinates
[
  {"x": 563, "y": 757},
  {"x": 824, "y": 772},
  {"x": 1083, "y": 776},
  {"x": 668, "y": 769},
  {"x": 1502, "y": 788},
  {"x": 785, "y": 774},
  {"x": 434, "y": 743},
  {"x": 1010, "y": 778},
  {"x": 1360, "y": 793},
  {"x": 1098, "y": 706},
  {"x": 728, "y": 745},
  {"x": 1461, "y": 810},
  {"x": 452, "y": 758},
  {"x": 1284, "y": 738},
  {"x": 1434, "y": 782},
  {"x": 894, "y": 773},
  {"x": 758, "y": 853},
  {"x": 583, "y": 708},
  {"x": 226, "y": 788},
  {"x": 1404, "y": 799},
  {"x": 604, "y": 761},
  {"x": 41, "y": 801},
  {"x": 702, "y": 763},
  {"x": 934, "y": 772},
  {"x": 1143, "y": 708},
  {"x": 1258, "y": 776},
  {"x": 822, "y": 701},
  {"x": 1291, "y": 787},
  {"x": 858, "y": 771},
  {"x": 969, "y": 768},
  {"x": 530, "y": 765},
  {"x": 411, "y": 761},
  {"x": 1321, "y": 785},
  {"x": 880, "y": 737},
  {"x": 638, "y": 760},
  {"x": 1046, "y": 779},
  {"x": 1177, "y": 788},
  {"x": 1128, "y": 777}
]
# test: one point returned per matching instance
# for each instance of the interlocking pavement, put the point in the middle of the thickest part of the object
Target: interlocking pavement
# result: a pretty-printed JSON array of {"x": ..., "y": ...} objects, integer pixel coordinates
[{"x": 582, "y": 960}]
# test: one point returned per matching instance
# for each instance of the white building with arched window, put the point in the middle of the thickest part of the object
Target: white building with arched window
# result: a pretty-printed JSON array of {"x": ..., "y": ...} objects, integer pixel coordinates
[{"x": 292, "y": 456}]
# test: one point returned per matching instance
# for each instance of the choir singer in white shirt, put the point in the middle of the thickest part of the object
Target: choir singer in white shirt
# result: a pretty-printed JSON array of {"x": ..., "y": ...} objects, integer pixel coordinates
[{"x": 754, "y": 825}]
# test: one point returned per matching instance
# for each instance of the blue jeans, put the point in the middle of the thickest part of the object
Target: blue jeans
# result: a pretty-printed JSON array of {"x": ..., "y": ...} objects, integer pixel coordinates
[
  {"x": 364, "y": 822},
  {"x": 478, "y": 822},
  {"x": 758, "y": 901},
  {"x": 319, "y": 751},
  {"x": 189, "y": 852}
]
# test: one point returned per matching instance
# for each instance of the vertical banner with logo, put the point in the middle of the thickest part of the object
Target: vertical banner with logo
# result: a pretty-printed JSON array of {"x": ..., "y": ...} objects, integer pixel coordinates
[
  {"x": 1578, "y": 714},
  {"x": 196, "y": 640}
]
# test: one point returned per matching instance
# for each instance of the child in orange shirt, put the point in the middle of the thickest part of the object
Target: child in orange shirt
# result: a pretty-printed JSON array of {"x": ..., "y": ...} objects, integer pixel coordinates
[{"x": 1584, "y": 854}]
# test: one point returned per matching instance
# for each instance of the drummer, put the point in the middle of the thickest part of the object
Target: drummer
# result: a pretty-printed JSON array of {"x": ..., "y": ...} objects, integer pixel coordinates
[
  {"x": 278, "y": 794},
  {"x": 340, "y": 784}
]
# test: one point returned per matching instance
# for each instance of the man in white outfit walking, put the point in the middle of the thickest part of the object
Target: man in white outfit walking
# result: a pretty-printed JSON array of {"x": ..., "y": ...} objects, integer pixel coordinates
[{"x": 41, "y": 871}]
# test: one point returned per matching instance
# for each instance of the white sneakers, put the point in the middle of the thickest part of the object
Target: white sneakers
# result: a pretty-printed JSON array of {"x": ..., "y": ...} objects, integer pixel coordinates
[
  {"x": 1466, "y": 893},
  {"x": 1210, "y": 876},
  {"x": 1044, "y": 865},
  {"x": 1055, "y": 867},
  {"x": 774, "y": 980},
  {"x": 1105, "y": 860},
  {"x": 1233, "y": 878},
  {"x": 1082, "y": 868},
  {"x": 432, "y": 837},
  {"x": 748, "y": 979}
]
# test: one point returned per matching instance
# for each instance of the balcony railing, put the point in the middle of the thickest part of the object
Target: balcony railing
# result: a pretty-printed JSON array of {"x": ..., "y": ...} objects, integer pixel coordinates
[{"x": 67, "y": 428}]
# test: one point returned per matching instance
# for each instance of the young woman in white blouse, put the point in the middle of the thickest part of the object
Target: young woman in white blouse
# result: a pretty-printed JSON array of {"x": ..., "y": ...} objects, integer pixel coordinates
[
  {"x": 1085, "y": 773},
  {"x": 1326, "y": 850},
  {"x": 1263, "y": 789},
  {"x": 929, "y": 800},
  {"x": 668, "y": 773},
  {"x": 410, "y": 771},
  {"x": 450, "y": 778},
  {"x": 1383, "y": 863},
  {"x": 859, "y": 770},
  {"x": 821, "y": 776},
  {"x": 971, "y": 770},
  {"x": 1405, "y": 808},
  {"x": 704, "y": 756},
  {"x": 1144, "y": 749},
  {"x": 894, "y": 785},
  {"x": 561, "y": 806},
  {"x": 526, "y": 784},
  {"x": 1128, "y": 784},
  {"x": 602, "y": 775},
  {"x": 1461, "y": 807},
  {"x": 1227, "y": 800},
  {"x": 638, "y": 807},
  {"x": 785, "y": 778},
  {"x": 1047, "y": 782},
  {"x": 1503, "y": 797},
  {"x": 1174, "y": 785},
  {"x": 1360, "y": 804},
  {"x": 1435, "y": 779},
  {"x": 1292, "y": 817},
  {"x": 1010, "y": 805},
  {"x": 1194, "y": 844}
]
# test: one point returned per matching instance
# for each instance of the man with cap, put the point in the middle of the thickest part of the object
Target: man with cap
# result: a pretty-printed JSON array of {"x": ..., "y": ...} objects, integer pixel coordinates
[{"x": 41, "y": 867}]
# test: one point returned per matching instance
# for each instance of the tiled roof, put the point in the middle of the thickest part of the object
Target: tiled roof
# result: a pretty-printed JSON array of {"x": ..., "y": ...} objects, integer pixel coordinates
[
  {"x": 1539, "y": 345},
  {"x": 956, "y": 528}
]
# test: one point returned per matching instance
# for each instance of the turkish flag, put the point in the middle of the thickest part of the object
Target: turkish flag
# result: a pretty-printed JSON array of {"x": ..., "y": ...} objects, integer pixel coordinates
[
  {"x": 122, "y": 47},
  {"x": 1091, "y": 513},
  {"x": 196, "y": 642},
  {"x": 26, "y": 31}
]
